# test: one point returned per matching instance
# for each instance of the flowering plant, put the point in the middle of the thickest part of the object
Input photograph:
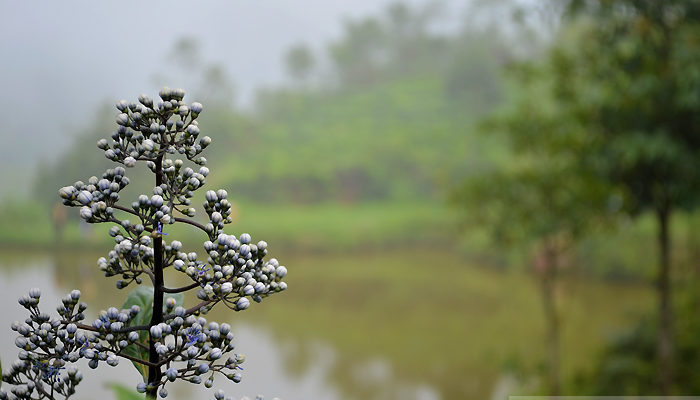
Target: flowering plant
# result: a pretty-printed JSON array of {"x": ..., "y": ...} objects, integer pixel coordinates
[{"x": 165, "y": 340}]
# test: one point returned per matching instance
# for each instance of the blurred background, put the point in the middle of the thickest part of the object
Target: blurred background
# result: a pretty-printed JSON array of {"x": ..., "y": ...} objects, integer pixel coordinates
[{"x": 474, "y": 199}]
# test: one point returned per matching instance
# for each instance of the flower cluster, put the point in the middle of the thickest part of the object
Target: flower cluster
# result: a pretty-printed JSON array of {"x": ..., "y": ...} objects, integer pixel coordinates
[
  {"x": 238, "y": 271},
  {"x": 146, "y": 129},
  {"x": 163, "y": 339},
  {"x": 98, "y": 196},
  {"x": 46, "y": 345},
  {"x": 201, "y": 347}
]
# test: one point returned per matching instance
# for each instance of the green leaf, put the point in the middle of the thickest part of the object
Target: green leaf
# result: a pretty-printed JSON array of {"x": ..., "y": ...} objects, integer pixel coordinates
[
  {"x": 142, "y": 296},
  {"x": 124, "y": 393}
]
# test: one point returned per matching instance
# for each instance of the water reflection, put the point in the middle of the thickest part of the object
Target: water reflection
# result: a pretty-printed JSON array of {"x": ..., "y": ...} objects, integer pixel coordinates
[{"x": 277, "y": 365}]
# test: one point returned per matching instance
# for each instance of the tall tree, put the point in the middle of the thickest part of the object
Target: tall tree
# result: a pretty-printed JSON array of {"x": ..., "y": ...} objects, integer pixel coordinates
[
  {"x": 544, "y": 199},
  {"x": 632, "y": 79}
]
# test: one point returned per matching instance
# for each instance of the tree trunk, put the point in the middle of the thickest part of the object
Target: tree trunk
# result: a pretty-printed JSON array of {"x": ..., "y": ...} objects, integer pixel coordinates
[
  {"x": 548, "y": 280},
  {"x": 665, "y": 335},
  {"x": 154, "y": 373}
]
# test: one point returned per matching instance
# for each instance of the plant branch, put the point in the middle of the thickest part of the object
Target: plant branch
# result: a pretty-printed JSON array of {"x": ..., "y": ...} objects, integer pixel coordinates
[
  {"x": 193, "y": 223},
  {"x": 180, "y": 289}
]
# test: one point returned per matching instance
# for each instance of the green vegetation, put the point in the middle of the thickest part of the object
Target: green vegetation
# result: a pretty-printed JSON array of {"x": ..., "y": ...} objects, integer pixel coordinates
[
  {"x": 623, "y": 80},
  {"x": 122, "y": 392}
]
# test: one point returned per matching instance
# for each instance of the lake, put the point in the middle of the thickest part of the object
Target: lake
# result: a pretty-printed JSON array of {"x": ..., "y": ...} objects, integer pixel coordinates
[{"x": 391, "y": 324}]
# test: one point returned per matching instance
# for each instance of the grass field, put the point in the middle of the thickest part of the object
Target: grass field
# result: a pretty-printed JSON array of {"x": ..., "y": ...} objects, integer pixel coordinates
[{"x": 328, "y": 227}]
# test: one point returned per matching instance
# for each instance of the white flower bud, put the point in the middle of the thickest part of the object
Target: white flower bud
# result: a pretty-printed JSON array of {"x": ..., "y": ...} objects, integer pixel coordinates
[
  {"x": 85, "y": 213},
  {"x": 122, "y": 105},
  {"x": 214, "y": 354},
  {"x": 171, "y": 374},
  {"x": 170, "y": 302},
  {"x": 67, "y": 192},
  {"x": 122, "y": 119},
  {"x": 148, "y": 145},
  {"x": 259, "y": 287},
  {"x": 211, "y": 196},
  {"x": 156, "y": 201},
  {"x": 226, "y": 288},
  {"x": 245, "y": 238},
  {"x": 145, "y": 100},
  {"x": 84, "y": 197},
  {"x": 242, "y": 304},
  {"x": 156, "y": 332}
]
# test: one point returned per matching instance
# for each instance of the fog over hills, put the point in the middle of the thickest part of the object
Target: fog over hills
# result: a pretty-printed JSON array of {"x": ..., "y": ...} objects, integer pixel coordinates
[{"x": 61, "y": 60}]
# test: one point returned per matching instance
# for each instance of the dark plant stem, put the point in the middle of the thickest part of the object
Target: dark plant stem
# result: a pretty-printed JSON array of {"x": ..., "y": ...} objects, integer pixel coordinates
[
  {"x": 154, "y": 372},
  {"x": 665, "y": 336}
]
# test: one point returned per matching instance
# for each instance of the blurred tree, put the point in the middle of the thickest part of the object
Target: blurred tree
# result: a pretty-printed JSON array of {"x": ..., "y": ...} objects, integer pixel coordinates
[
  {"x": 299, "y": 62},
  {"x": 359, "y": 56},
  {"x": 186, "y": 53},
  {"x": 632, "y": 79},
  {"x": 187, "y": 65},
  {"x": 217, "y": 87},
  {"x": 545, "y": 199},
  {"x": 396, "y": 44}
]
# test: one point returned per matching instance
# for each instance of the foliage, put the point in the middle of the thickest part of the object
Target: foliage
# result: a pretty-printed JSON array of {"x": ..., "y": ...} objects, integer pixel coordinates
[
  {"x": 122, "y": 392},
  {"x": 632, "y": 83},
  {"x": 142, "y": 297},
  {"x": 628, "y": 365}
]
